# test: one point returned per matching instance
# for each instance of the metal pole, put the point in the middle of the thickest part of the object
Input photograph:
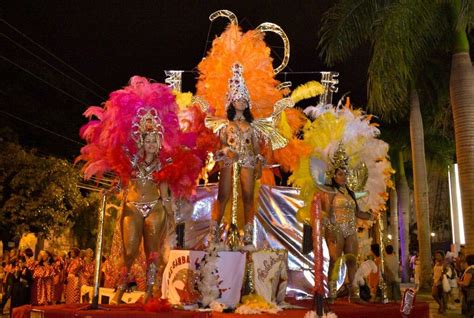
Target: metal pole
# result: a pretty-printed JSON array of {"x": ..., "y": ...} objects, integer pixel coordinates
[
  {"x": 319, "y": 280},
  {"x": 382, "y": 284},
  {"x": 98, "y": 253}
]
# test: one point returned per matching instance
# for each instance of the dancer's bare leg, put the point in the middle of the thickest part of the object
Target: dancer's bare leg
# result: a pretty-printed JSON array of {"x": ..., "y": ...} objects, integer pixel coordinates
[
  {"x": 351, "y": 246},
  {"x": 335, "y": 241},
  {"x": 247, "y": 183},
  {"x": 223, "y": 196},
  {"x": 154, "y": 235},
  {"x": 132, "y": 229},
  {"x": 225, "y": 188}
]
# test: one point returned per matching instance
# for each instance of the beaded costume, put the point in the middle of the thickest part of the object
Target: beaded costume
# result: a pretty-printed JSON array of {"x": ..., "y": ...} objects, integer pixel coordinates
[
  {"x": 343, "y": 209},
  {"x": 137, "y": 136}
]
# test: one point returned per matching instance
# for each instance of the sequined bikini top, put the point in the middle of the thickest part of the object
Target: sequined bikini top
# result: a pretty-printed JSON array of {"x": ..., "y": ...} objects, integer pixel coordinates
[
  {"x": 238, "y": 140},
  {"x": 344, "y": 206},
  {"x": 144, "y": 172}
]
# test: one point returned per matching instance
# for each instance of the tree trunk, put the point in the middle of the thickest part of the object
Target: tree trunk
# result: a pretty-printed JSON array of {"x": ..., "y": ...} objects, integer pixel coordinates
[
  {"x": 462, "y": 103},
  {"x": 420, "y": 187},
  {"x": 39, "y": 245},
  {"x": 403, "y": 217},
  {"x": 394, "y": 221}
]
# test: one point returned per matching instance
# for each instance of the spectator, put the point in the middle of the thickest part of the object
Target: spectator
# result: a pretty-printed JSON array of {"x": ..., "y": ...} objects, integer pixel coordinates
[
  {"x": 417, "y": 273},
  {"x": 21, "y": 284},
  {"x": 87, "y": 275},
  {"x": 437, "y": 290},
  {"x": 2, "y": 276},
  {"x": 453, "y": 295},
  {"x": 74, "y": 270},
  {"x": 30, "y": 261},
  {"x": 392, "y": 274},
  {"x": 412, "y": 264},
  {"x": 374, "y": 277},
  {"x": 460, "y": 263},
  {"x": 58, "y": 278},
  {"x": 467, "y": 286},
  {"x": 7, "y": 284},
  {"x": 43, "y": 280}
]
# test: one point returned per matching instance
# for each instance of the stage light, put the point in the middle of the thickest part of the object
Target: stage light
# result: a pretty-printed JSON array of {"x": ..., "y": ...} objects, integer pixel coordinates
[
  {"x": 389, "y": 236},
  {"x": 457, "y": 223},
  {"x": 462, "y": 240},
  {"x": 433, "y": 234}
]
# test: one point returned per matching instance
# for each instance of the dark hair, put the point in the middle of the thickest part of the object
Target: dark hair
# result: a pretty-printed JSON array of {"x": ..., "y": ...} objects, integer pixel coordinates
[
  {"x": 389, "y": 249},
  {"x": 75, "y": 252},
  {"x": 336, "y": 186},
  {"x": 22, "y": 258},
  {"x": 50, "y": 257},
  {"x": 28, "y": 252},
  {"x": 247, "y": 114},
  {"x": 440, "y": 252},
  {"x": 375, "y": 248},
  {"x": 470, "y": 259}
]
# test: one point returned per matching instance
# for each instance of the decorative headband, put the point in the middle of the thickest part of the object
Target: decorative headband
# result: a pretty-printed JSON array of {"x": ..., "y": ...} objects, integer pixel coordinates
[
  {"x": 339, "y": 160},
  {"x": 237, "y": 88},
  {"x": 145, "y": 122}
]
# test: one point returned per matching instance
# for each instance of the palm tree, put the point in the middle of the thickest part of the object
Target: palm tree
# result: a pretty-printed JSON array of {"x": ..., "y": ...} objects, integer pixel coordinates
[
  {"x": 403, "y": 35},
  {"x": 394, "y": 220},
  {"x": 404, "y": 215},
  {"x": 398, "y": 138},
  {"x": 420, "y": 187},
  {"x": 462, "y": 101}
]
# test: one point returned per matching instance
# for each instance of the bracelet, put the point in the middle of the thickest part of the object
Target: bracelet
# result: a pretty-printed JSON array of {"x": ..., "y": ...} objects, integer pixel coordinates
[
  {"x": 166, "y": 200},
  {"x": 260, "y": 158}
]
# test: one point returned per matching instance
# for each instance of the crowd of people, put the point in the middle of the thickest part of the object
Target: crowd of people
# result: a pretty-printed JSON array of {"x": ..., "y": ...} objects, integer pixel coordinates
[{"x": 46, "y": 279}]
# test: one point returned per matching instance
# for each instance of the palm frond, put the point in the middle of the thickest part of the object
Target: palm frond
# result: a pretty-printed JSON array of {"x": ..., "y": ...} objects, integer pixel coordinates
[
  {"x": 439, "y": 150},
  {"x": 434, "y": 95},
  {"x": 347, "y": 25},
  {"x": 404, "y": 38},
  {"x": 466, "y": 15}
]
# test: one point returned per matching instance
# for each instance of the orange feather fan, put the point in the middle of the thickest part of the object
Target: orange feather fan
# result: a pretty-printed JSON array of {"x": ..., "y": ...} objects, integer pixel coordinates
[{"x": 251, "y": 51}]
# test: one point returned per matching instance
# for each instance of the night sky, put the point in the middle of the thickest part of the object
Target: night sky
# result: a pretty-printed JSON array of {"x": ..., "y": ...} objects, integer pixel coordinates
[{"x": 109, "y": 41}]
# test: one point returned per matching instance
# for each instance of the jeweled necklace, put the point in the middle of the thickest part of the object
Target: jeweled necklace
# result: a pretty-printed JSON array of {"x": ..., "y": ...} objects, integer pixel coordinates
[{"x": 239, "y": 117}]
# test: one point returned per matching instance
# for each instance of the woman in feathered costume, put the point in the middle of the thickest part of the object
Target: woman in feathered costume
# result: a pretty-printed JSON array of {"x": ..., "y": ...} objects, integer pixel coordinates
[
  {"x": 237, "y": 79},
  {"x": 347, "y": 161},
  {"x": 228, "y": 82},
  {"x": 137, "y": 137},
  {"x": 240, "y": 145}
]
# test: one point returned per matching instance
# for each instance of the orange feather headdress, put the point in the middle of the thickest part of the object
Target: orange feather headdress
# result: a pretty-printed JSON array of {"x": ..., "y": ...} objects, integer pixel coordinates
[{"x": 252, "y": 53}]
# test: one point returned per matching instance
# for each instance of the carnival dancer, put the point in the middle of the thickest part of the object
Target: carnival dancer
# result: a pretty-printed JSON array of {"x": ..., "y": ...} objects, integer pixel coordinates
[
  {"x": 247, "y": 109},
  {"x": 240, "y": 145},
  {"x": 343, "y": 211},
  {"x": 138, "y": 137},
  {"x": 347, "y": 162}
]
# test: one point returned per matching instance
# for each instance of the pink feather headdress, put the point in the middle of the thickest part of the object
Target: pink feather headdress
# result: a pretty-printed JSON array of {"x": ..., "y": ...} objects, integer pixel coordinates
[{"x": 112, "y": 141}]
